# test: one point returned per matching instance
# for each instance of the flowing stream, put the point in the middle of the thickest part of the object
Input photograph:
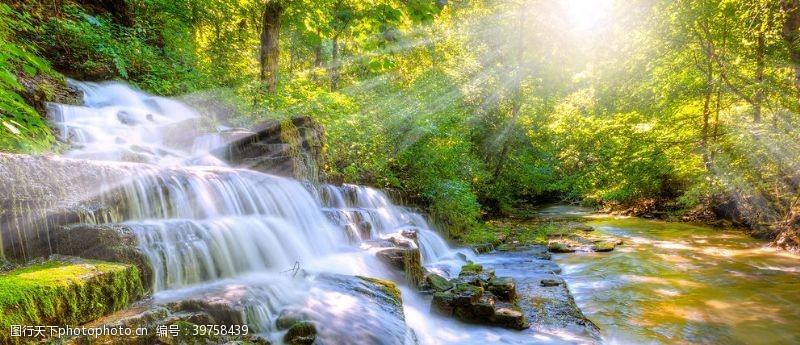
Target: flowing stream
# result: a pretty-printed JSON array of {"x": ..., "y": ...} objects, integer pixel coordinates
[{"x": 673, "y": 283}]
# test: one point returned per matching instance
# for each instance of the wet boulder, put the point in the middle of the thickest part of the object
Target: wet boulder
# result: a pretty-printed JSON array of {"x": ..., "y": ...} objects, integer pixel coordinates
[
  {"x": 301, "y": 333},
  {"x": 437, "y": 283},
  {"x": 471, "y": 268},
  {"x": 503, "y": 287},
  {"x": 479, "y": 311},
  {"x": 288, "y": 317},
  {"x": 560, "y": 247},
  {"x": 464, "y": 295},
  {"x": 509, "y": 315},
  {"x": 603, "y": 246}
]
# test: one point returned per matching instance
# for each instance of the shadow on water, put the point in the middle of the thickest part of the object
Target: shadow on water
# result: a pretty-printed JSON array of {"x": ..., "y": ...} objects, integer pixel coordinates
[{"x": 683, "y": 284}]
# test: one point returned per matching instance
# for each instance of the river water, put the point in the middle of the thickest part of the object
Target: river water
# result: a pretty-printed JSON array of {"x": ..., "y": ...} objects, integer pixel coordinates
[{"x": 674, "y": 283}]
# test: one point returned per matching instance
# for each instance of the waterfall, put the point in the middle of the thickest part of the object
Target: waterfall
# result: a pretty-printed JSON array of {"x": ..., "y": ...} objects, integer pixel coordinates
[{"x": 205, "y": 226}]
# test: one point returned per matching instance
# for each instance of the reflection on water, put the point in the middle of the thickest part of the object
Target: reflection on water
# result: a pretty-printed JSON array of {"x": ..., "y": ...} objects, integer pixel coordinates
[{"x": 682, "y": 284}]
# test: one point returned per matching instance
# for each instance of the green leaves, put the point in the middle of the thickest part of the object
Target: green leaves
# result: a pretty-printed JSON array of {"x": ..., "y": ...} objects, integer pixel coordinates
[{"x": 21, "y": 127}]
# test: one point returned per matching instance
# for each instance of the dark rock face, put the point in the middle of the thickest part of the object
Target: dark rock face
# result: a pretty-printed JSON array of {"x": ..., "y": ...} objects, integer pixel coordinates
[
  {"x": 58, "y": 192},
  {"x": 40, "y": 89},
  {"x": 291, "y": 148},
  {"x": 405, "y": 259}
]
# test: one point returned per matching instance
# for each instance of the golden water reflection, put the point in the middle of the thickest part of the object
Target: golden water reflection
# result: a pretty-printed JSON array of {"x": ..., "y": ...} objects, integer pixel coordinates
[{"x": 674, "y": 283}]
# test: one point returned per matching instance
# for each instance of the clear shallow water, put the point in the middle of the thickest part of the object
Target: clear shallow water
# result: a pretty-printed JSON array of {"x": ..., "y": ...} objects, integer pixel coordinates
[{"x": 674, "y": 283}]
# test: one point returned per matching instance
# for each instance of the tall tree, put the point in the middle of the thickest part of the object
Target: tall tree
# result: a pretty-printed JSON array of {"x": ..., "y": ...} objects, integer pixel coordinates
[{"x": 270, "y": 48}]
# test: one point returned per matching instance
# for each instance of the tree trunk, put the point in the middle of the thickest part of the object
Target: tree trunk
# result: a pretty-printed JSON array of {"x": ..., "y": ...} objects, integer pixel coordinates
[
  {"x": 292, "y": 54},
  {"x": 270, "y": 50},
  {"x": 759, "y": 97},
  {"x": 335, "y": 64},
  {"x": 707, "y": 103},
  {"x": 791, "y": 35},
  {"x": 318, "y": 52}
]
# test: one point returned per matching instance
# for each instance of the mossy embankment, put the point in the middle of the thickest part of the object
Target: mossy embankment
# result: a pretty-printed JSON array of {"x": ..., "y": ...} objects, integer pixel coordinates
[
  {"x": 64, "y": 291},
  {"x": 521, "y": 227}
]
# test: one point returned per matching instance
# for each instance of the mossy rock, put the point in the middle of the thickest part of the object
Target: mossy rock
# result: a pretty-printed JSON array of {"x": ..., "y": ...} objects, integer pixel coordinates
[
  {"x": 388, "y": 288},
  {"x": 503, "y": 287},
  {"x": 301, "y": 333},
  {"x": 558, "y": 247},
  {"x": 437, "y": 282},
  {"x": 466, "y": 294},
  {"x": 507, "y": 247},
  {"x": 288, "y": 317},
  {"x": 509, "y": 316},
  {"x": 603, "y": 246},
  {"x": 579, "y": 227},
  {"x": 65, "y": 291},
  {"x": 471, "y": 268}
]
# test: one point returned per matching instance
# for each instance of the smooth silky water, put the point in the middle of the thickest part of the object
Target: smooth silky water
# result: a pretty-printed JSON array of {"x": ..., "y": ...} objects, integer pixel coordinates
[
  {"x": 238, "y": 236},
  {"x": 673, "y": 283}
]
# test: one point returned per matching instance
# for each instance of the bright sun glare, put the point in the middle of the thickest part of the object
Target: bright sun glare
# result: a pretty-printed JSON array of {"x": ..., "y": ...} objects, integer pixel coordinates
[{"x": 586, "y": 14}]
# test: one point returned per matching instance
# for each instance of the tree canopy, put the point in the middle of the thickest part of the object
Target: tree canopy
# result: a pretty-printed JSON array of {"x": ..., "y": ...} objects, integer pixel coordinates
[{"x": 470, "y": 107}]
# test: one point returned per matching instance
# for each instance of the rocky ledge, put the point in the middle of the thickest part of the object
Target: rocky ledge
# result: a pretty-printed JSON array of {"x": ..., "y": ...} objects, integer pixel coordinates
[
  {"x": 63, "y": 291},
  {"x": 541, "y": 294},
  {"x": 578, "y": 237},
  {"x": 477, "y": 296}
]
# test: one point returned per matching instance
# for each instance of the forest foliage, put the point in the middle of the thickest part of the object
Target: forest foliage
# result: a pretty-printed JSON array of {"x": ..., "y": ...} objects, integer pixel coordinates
[{"x": 468, "y": 107}]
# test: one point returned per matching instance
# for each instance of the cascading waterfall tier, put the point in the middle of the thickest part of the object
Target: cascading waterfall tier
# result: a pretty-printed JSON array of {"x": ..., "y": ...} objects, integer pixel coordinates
[{"x": 210, "y": 229}]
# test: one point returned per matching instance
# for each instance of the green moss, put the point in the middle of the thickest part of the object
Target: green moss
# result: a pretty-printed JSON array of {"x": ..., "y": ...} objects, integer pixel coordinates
[
  {"x": 385, "y": 286},
  {"x": 303, "y": 332},
  {"x": 471, "y": 268},
  {"x": 604, "y": 246},
  {"x": 467, "y": 289},
  {"x": 480, "y": 235},
  {"x": 437, "y": 282},
  {"x": 522, "y": 231},
  {"x": 558, "y": 247},
  {"x": 65, "y": 293}
]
